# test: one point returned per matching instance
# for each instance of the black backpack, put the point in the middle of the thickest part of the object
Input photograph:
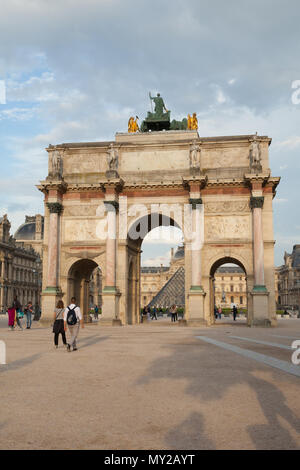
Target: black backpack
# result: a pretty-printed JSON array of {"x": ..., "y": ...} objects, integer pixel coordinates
[{"x": 71, "y": 316}]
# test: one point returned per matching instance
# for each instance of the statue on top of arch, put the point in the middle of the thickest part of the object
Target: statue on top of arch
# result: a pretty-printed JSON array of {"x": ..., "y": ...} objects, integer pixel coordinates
[{"x": 160, "y": 119}]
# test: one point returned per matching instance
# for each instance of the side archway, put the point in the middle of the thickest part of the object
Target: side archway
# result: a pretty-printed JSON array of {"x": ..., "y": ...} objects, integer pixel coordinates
[{"x": 212, "y": 293}]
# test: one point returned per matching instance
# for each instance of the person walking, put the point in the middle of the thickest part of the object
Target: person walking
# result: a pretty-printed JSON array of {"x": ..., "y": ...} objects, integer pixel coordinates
[
  {"x": 234, "y": 312},
  {"x": 215, "y": 312},
  {"x": 72, "y": 320},
  {"x": 11, "y": 317},
  {"x": 96, "y": 312},
  {"x": 173, "y": 311},
  {"x": 58, "y": 325},
  {"x": 153, "y": 314},
  {"x": 18, "y": 312},
  {"x": 28, "y": 312},
  {"x": 220, "y": 313}
]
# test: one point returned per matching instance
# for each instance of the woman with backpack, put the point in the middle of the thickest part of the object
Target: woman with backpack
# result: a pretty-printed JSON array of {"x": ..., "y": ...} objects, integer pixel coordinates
[{"x": 58, "y": 325}]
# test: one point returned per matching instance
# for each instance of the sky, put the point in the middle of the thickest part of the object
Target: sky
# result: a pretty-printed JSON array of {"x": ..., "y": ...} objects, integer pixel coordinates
[{"x": 75, "y": 70}]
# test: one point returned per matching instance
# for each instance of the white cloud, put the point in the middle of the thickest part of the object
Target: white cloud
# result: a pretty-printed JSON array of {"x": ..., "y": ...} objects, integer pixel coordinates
[
  {"x": 291, "y": 143},
  {"x": 163, "y": 235},
  {"x": 279, "y": 200}
]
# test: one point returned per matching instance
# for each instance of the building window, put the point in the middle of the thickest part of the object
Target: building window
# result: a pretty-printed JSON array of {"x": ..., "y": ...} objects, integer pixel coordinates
[
  {"x": 241, "y": 300},
  {"x": 231, "y": 288},
  {"x": 232, "y": 299}
]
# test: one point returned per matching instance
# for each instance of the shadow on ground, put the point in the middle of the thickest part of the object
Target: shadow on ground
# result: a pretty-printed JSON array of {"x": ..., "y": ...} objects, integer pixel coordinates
[{"x": 209, "y": 374}]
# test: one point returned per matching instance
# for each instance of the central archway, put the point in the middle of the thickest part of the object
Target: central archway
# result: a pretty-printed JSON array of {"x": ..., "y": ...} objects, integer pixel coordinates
[
  {"x": 136, "y": 235},
  {"x": 80, "y": 278}
]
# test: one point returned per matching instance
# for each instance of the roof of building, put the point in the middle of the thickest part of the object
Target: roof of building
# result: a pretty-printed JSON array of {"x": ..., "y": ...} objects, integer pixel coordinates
[
  {"x": 230, "y": 269},
  {"x": 179, "y": 253},
  {"x": 296, "y": 256},
  {"x": 27, "y": 230},
  {"x": 153, "y": 269}
]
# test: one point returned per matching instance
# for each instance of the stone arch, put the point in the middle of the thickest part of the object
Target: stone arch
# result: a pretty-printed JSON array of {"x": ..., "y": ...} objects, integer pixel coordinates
[
  {"x": 216, "y": 262},
  {"x": 79, "y": 275},
  {"x": 140, "y": 226}
]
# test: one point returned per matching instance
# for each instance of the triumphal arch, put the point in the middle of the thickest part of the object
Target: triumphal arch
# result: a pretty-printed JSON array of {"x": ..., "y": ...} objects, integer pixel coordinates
[{"x": 102, "y": 198}]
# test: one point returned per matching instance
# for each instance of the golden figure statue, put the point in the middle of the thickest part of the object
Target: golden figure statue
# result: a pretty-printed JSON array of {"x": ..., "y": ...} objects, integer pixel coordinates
[
  {"x": 133, "y": 125},
  {"x": 194, "y": 123},
  {"x": 189, "y": 122}
]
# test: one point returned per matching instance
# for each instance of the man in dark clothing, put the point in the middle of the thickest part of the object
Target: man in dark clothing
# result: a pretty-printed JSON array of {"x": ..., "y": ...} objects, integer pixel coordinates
[{"x": 234, "y": 311}]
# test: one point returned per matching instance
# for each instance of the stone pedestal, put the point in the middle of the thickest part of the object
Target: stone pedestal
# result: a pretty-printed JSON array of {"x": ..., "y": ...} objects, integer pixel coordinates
[
  {"x": 196, "y": 307},
  {"x": 50, "y": 297},
  {"x": 109, "y": 316},
  {"x": 260, "y": 297}
]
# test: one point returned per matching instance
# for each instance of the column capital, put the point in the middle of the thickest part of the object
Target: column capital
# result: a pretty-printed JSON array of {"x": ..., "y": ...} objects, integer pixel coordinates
[
  {"x": 196, "y": 181},
  {"x": 256, "y": 202},
  {"x": 59, "y": 186},
  {"x": 114, "y": 185},
  {"x": 54, "y": 207}
]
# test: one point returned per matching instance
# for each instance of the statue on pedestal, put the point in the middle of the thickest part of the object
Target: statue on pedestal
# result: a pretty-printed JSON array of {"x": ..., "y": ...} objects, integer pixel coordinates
[
  {"x": 55, "y": 164},
  {"x": 195, "y": 155},
  {"x": 255, "y": 155},
  {"x": 133, "y": 125},
  {"x": 112, "y": 162}
]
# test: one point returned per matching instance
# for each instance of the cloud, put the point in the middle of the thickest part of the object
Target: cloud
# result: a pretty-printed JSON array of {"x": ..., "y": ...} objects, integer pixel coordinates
[
  {"x": 279, "y": 200},
  {"x": 76, "y": 70},
  {"x": 291, "y": 143}
]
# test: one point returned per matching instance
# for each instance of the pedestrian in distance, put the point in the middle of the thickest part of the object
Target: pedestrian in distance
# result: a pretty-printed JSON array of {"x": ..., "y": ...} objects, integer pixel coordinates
[
  {"x": 234, "y": 312},
  {"x": 72, "y": 320},
  {"x": 215, "y": 312},
  {"x": 18, "y": 312},
  {"x": 173, "y": 311},
  {"x": 11, "y": 317},
  {"x": 220, "y": 313},
  {"x": 96, "y": 312},
  {"x": 153, "y": 314},
  {"x": 58, "y": 325},
  {"x": 28, "y": 312}
]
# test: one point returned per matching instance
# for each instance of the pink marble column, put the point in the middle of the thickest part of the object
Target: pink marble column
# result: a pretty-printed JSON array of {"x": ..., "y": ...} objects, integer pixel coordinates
[
  {"x": 196, "y": 244},
  {"x": 55, "y": 209},
  {"x": 111, "y": 245},
  {"x": 258, "y": 243}
]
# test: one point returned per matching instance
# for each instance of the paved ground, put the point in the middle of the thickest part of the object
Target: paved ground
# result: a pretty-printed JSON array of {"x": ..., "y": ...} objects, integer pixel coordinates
[{"x": 154, "y": 386}]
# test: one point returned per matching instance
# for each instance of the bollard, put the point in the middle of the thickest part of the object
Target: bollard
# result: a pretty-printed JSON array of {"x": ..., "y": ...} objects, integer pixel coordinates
[{"x": 2, "y": 352}]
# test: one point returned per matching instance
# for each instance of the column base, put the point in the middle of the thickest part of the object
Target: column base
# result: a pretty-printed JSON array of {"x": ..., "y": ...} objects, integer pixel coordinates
[
  {"x": 110, "y": 307},
  {"x": 50, "y": 297},
  {"x": 196, "y": 297},
  {"x": 260, "y": 315},
  {"x": 193, "y": 322}
]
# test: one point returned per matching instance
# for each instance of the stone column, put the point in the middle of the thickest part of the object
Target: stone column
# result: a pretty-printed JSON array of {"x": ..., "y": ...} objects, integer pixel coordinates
[
  {"x": 55, "y": 209},
  {"x": 259, "y": 292},
  {"x": 258, "y": 243},
  {"x": 110, "y": 279},
  {"x": 110, "y": 293},
  {"x": 196, "y": 293},
  {"x": 52, "y": 291}
]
